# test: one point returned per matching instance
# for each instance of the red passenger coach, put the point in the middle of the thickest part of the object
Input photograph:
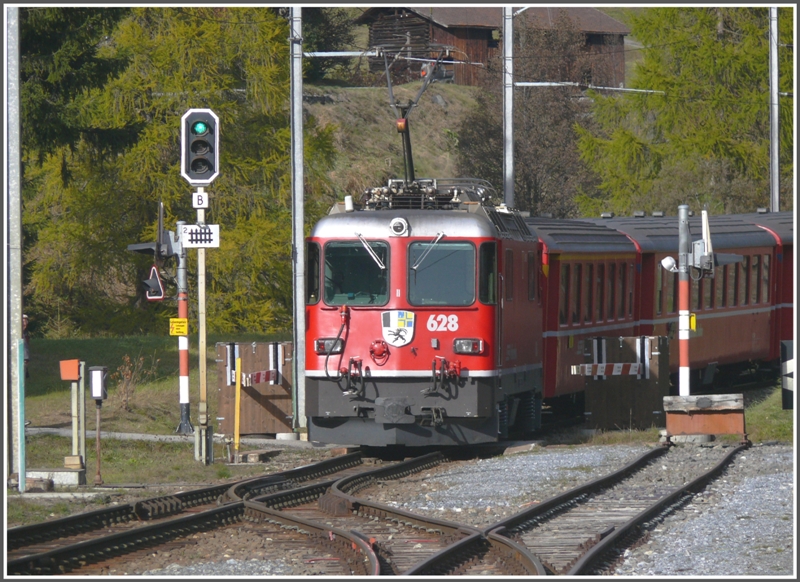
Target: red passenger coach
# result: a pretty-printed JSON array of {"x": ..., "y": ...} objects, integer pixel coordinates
[
  {"x": 739, "y": 312},
  {"x": 589, "y": 283},
  {"x": 415, "y": 304}
]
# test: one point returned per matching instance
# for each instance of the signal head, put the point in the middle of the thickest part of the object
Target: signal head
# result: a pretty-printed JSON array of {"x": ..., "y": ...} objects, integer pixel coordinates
[{"x": 199, "y": 146}]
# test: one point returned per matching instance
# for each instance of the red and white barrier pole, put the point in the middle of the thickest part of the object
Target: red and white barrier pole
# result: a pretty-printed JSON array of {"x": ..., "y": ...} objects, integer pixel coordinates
[
  {"x": 684, "y": 246},
  {"x": 185, "y": 426}
]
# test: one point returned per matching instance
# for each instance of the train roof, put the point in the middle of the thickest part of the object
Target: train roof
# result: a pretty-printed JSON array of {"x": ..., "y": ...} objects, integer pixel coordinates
[
  {"x": 781, "y": 223},
  {"x": 375, "y": 224},
  {"x": 566, "y": 235},
  {"x": 660, "y": 234}
]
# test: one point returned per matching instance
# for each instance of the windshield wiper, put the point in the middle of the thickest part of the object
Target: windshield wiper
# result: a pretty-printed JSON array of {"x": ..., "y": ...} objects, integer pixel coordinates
[
  {"x": 371, "y": 252},
  {"x": 428, "y": 250}
]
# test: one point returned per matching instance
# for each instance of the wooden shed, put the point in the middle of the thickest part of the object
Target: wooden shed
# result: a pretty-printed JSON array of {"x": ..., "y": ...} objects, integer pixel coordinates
[{"x": 474, "y": 34}]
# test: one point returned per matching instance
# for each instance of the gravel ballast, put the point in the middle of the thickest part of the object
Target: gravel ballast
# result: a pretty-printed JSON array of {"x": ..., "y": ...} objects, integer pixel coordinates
[{"x": 742, "y": 524}]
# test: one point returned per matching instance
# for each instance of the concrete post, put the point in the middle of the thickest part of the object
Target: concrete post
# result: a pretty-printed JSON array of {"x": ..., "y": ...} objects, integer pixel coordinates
[
  {"x": 774, "y": 113},
  {"x": 508, "y": 107},
  {"x": 298, "y": 221}
]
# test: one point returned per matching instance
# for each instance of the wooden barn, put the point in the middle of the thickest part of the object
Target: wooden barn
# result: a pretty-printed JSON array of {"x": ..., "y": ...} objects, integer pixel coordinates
[{"x": 474, "y": 34}]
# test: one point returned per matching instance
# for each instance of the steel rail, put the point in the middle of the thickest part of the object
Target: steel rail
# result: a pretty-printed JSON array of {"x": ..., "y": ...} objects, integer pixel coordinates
[
  {"x": 70, "y": 556},
  {"x": 590, "y": 559},
  {"x": 158, "y": 507},
  {"x": 453, "y": 559},
  {"x": 563, "y": 501},
  {"x": 247, "y": 489},
  {"x": 78, "y": 554},
  {"x": 357, "y": 552}
]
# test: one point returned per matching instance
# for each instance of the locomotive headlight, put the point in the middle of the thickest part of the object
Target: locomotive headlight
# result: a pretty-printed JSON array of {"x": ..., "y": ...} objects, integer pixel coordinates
[
  {"x": 326, "y": 346},
  {"x": 399, "y": 227},
  {"x": 468, "y": 346}
]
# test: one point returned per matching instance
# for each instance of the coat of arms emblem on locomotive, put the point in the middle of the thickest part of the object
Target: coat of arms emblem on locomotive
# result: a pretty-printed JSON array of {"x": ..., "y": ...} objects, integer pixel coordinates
[{"x": 398, "y": 327}]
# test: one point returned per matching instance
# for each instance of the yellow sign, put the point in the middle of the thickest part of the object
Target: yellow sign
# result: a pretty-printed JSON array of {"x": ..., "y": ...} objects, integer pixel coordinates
[{"x": 178, "y": 326}]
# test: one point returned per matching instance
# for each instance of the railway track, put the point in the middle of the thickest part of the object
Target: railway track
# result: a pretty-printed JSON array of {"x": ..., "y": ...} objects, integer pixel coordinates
[
  {"x": 399, "y": 539},
  {"x": 274, "y": 507},
  {"x": 584, "y": 530},
  {"x": 319, "y": 516},
  {"x": 61, "y": 545}
]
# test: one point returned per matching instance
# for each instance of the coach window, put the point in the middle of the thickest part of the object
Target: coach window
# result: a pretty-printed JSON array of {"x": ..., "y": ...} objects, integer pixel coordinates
[
  {"x": 743, "y": 270},
  {"x": 707, "y": 293},
  {"x": 672, "y": 291},
  {"x": 577, "y": 274},
  {"x": 719, "y": 288},
  {"x": 623, "y": 290},
  {"x": 695, "y": 294},
  {"x": 354, "y": 275},
  {"x": 612, "y": 284},
  {"x": 531, "y": 276},
  {"x": 600, "y": 295},
  {"x": 441, "y": 273},
  {"x": 487, "y": 285},
  {"x": 730, "y": 285},
  {"x": 755, "y": 283},
  {"x": 765, "y": 279},
  {"x": 659, "y": 288},
  {"x": 563, "y": 295},
  {"x": 588, "y": 306}
]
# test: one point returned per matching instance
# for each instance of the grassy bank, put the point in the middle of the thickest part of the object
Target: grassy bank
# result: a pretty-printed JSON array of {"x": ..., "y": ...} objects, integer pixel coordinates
[
  {"x": 153, "y": 402},
  {"x": 148, "y": 403}
]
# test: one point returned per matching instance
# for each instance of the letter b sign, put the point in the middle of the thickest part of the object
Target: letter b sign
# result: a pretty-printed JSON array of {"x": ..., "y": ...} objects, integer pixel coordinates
[{"x": 199, "y": 200}]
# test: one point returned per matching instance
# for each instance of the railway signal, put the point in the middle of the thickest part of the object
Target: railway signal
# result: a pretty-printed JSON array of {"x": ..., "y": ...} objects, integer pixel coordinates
[
  {"x": 200, "y": 146},
  {"x": 154, "y": 288}
]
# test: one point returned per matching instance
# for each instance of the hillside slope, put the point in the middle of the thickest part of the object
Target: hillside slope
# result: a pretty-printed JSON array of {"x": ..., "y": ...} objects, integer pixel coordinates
[{"x": 370, "y": 150}]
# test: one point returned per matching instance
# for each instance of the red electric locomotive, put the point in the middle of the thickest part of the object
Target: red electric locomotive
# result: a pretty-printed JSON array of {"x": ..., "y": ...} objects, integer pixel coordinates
[{"x": 424, "y": 320}]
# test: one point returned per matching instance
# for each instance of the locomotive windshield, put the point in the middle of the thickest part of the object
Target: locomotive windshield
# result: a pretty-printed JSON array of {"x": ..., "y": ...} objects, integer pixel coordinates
[
  {"x": 353, "y": 276},
  {"x": 441, "y": 273}
]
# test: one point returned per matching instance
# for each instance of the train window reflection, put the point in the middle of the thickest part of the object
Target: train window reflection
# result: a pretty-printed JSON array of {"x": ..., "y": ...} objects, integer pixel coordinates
[
  {"x": 488, "y": 273},
  {"x": 445, "y": 277},
  {"x": 353, "y": 276},
  {"x": 312, "y": 273}
]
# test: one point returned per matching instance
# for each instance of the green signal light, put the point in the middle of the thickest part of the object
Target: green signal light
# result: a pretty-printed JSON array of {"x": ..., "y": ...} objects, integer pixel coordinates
[{"x": 199, "y": 128}]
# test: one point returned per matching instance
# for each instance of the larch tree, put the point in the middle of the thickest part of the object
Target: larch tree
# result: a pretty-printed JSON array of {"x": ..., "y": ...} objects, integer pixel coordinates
[
  {"x": 91, "y": 202},
  {"x": 704, "y": 137}
]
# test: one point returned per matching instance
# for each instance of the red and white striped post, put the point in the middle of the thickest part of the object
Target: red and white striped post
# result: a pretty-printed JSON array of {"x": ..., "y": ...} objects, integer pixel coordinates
[
  {"x": 185, "y": 426},
  {"x": 684, "y": 246}
]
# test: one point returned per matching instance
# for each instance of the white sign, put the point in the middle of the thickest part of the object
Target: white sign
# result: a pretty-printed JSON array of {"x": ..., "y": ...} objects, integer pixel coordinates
[
  {"x": 194, "y": 236},
  {"x": 199, "y": 200}
]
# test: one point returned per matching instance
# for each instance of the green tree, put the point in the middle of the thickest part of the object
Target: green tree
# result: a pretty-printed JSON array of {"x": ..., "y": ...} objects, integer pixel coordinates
[
  {"x": 705, "y": 140},
  {"x": 61, "y": 57},
  {"x": 90, "y": 203},
  {"x": 325, "y": 30}
]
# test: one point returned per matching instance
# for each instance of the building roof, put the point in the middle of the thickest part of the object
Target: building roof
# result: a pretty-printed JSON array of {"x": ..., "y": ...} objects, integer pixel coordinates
[{"x": 586, "y": 19}]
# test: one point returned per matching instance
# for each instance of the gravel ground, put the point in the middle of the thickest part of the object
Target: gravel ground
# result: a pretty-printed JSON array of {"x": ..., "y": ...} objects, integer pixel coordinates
[{"x": 740, "y": 525}]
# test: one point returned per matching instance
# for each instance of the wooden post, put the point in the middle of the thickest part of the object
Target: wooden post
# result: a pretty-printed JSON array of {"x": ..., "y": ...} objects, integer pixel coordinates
[{"x": 236, "y": 408}]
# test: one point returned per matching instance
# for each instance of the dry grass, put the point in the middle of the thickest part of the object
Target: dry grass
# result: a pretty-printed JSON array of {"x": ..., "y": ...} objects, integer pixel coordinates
[{"x": 370, "y": 150}]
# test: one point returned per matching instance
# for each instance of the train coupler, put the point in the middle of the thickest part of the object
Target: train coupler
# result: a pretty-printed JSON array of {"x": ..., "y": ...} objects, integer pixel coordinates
[
  {"x": 436, "y": 417},
  {"x": 354, "y": 378}
]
